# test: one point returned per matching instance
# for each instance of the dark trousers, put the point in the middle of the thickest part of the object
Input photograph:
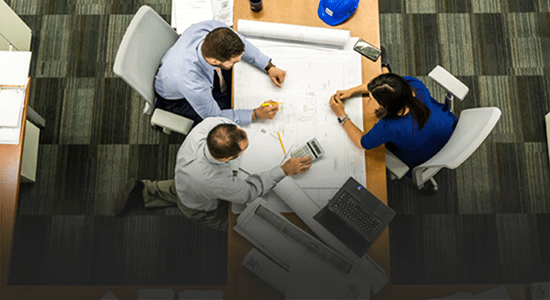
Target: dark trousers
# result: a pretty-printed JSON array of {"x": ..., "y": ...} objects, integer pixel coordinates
[
  {"x": 163, "y": 194},
  {"x": 183, "y": 108}
]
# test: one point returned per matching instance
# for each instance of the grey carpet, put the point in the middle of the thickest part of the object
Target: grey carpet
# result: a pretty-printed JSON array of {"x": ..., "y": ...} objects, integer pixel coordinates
[
  {"x": 95, "y": 139},
  {"x": 489, "y": 223}
]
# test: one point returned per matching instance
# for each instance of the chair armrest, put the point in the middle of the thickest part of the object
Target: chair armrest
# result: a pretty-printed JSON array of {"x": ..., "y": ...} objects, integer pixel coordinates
[
  {"x": 449, "y": 82},
  {"x": 395, "y": 165},
  {"x": 171, "y": 121}
]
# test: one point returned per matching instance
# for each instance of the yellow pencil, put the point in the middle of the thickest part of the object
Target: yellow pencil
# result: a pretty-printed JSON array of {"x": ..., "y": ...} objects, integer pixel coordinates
[
  {"x": 269, "y": 104},
  {"x": 280, "y": 140}
]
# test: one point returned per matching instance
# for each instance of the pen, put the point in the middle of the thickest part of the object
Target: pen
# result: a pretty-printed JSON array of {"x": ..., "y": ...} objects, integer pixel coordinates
[
  {"x": 268, "y": 104},
  {"x": 280, "y": 140}
]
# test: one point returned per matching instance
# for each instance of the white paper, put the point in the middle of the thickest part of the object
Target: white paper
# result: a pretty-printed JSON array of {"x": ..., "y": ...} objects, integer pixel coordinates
[
  {"x": 313, "y": 75},
  {"x": 14, "y": 67},
  {"x": 264, "y": 152},
  {"x": 315, "y": 35},
  {"x": 223, "y": 11},
  {"x": 12, "y": 135},
  {"x": 306, "y": 208},
  {"x": 188, "y": 12},
  {"x": 282, "y": 249},
  {"x": 11, "y": 106}
]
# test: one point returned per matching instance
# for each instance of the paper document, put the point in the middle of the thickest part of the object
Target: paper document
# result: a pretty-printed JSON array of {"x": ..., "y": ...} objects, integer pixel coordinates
[
  {"x": 288, "y": 32},
  {"x": 284, "y": 243},
  {"x": 11, "y": 106},
  {"x": 189, "y": 12},
  {"x": 313, "y": 74},
  {"x": 263, "y": 153},
  {"x": 306, "y": 208},
  {"x": 14, "y": 67}
]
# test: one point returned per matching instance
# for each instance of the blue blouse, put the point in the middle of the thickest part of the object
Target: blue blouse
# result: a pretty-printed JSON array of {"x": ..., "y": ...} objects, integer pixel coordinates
[{"x": 402, "y": 136}]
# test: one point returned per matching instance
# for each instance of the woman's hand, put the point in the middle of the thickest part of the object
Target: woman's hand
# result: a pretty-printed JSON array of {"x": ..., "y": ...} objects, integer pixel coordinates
[
  {"x": 342, "y": 95},
  {"x": 337, "y": 106}
]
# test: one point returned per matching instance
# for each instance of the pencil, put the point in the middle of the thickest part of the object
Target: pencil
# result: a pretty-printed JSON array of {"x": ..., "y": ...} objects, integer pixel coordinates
[
  {"x": 268, "y": 104},
  {"x": 280, "y": 140}
]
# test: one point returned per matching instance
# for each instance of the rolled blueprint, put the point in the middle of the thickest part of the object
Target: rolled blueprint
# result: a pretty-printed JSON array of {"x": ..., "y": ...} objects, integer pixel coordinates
[{"x": 306, "y": 34}]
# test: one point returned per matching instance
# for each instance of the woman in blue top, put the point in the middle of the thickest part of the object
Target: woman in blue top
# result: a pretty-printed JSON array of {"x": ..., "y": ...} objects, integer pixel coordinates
[{"x": 412, "y": 124}]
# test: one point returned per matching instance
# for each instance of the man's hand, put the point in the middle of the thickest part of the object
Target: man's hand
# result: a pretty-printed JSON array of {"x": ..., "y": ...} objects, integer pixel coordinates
[
  {"x": 337, "y": 106},
  {"x": 277, "y": 76},
  {"x": 295, "y": 166},
  {"x": 267, "y": 111}
]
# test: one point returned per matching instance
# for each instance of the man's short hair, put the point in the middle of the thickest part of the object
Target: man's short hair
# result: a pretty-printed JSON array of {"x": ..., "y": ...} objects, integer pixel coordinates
[
  {"x": 223, "y": 141},
  {"x": 222, "y": 44}
]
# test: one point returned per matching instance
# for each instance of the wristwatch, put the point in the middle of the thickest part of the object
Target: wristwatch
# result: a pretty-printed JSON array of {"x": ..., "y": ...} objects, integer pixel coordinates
[{"x": 343, "y": 118}]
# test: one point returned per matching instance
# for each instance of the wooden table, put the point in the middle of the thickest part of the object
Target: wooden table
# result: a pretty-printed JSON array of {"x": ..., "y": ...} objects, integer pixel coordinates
[
  {"x": 10, "y": 170},
  {"x": 364, "y": 23}
]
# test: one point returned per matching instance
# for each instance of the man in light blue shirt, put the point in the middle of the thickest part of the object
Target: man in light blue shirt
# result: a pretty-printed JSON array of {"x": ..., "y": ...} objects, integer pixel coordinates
[
  {"x": 205, "y": 179},
  {"x": 186, "y": 83}
]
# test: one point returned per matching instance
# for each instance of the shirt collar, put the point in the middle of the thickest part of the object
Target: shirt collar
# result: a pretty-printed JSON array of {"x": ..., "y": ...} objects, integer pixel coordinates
[
  {"x": 208, "y": 67},
  {"x": 210, "y": 158}
]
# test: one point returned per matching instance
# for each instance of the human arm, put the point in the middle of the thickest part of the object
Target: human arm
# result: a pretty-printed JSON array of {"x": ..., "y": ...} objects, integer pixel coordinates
[
  {"x": 353, "y": 132},
  {"x": 201, "y": 99},
  {"x": 243, "y": 191},
  {"x": 345, "y": 94},
  {"x": 254, "y": 56}
]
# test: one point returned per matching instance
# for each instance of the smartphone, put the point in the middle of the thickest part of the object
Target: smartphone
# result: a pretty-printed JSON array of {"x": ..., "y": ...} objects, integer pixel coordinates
[{"x": 367, "y": 50}]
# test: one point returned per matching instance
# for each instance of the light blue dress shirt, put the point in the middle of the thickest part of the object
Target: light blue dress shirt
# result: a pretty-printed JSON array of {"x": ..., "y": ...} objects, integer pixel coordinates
[
  {"x": 184, "y": 73},
  {"x": 201, "y": 180}
]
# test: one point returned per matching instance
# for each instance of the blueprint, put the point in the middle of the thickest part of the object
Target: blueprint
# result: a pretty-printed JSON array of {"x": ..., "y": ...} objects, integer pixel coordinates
[{"x": 313, "y": 74}]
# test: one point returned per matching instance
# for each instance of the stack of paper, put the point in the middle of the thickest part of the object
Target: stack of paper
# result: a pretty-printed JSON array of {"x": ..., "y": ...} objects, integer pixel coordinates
[
  {"x": 188, "y": 12},
  {"x": 14, "y": 72}
]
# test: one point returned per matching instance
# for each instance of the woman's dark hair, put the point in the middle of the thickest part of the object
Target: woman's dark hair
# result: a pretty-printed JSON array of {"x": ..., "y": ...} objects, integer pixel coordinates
[
  {"x": 394, "y": 93},
  {"x": 223, "y": 141},
  {"x": 222, "y": 44}
]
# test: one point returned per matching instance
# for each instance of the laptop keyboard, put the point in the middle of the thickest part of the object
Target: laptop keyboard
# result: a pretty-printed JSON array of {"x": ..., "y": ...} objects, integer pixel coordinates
[{"x": 355, "y": 215}]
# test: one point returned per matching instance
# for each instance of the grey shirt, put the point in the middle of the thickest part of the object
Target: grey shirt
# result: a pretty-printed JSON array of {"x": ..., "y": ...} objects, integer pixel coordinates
[{"x": 201, "y": 180}]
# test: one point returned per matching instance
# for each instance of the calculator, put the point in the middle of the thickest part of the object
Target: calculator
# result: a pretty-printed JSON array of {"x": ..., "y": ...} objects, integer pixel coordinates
[{"x": 311, "y": 148}]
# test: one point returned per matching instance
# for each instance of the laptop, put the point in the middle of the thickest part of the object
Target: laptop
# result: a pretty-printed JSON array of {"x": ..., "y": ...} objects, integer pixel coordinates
[{"x": 355, "y": 216}]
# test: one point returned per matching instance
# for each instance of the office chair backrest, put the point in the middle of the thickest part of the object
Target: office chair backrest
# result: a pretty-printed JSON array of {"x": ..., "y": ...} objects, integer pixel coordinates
[
  {"x": 145, "y": 42},
  {"x": 474, "y": 125}
]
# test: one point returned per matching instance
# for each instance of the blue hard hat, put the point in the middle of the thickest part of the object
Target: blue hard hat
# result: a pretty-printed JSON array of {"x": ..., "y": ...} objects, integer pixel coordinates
[{"x": 334, "y": 12}]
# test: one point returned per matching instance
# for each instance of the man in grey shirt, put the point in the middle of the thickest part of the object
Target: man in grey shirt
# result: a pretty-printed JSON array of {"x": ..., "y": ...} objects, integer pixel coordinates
[{"x": 205, "y": 179}]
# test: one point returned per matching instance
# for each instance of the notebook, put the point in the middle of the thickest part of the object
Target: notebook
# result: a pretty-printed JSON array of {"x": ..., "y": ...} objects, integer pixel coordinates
[{"x": 355, "y": 216}]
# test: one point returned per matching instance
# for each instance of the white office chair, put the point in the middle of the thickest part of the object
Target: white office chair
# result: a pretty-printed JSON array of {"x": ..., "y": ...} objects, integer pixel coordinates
[
  {"x": 474, "y": 125},
  {"x": 145, "y": 42}
]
